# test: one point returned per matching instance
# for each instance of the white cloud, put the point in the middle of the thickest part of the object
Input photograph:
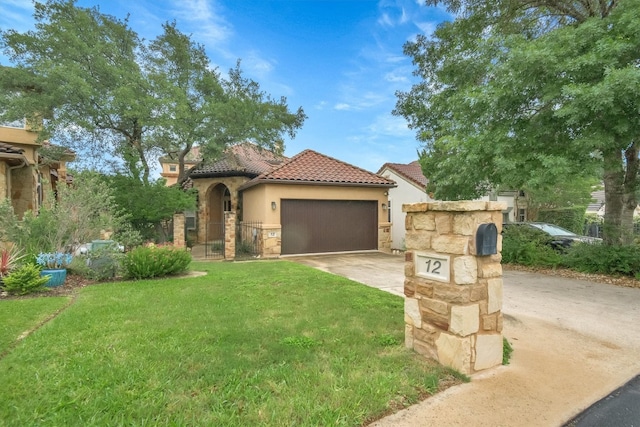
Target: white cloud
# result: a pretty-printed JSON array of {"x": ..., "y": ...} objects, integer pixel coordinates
[
  {"x": 362, "y": 101},
  {"x": 257, "y": 65},
  {"x": 385, "y": 20},
  {"x": 389, "y": 125},
  {"x": 396, "y": 77},
  {"x": 16, "y": 14},
  {"x": 427, "y": 27},
  {"x": 209, "y": 25}
]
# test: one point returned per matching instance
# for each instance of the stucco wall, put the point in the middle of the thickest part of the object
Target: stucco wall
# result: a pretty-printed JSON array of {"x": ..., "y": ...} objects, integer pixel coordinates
[
  {"x": 257, "y": 206},
  {"x": 405, "y": 193},
  {"x": 18, "y": 136},
  {"x": 257, "y": 200},
  {"x": 23, "y": 190}
]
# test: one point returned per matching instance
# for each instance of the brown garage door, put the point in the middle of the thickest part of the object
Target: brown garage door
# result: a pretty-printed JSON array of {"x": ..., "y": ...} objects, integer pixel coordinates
[{"x": 314, "y": 226}]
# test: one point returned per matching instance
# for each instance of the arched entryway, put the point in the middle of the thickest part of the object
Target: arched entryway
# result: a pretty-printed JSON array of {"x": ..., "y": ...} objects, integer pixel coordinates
[{"x": 218, "y": 202}]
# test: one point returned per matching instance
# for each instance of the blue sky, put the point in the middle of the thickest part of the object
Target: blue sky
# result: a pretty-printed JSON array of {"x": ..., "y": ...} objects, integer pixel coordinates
[{"x": 340, "y": 60}]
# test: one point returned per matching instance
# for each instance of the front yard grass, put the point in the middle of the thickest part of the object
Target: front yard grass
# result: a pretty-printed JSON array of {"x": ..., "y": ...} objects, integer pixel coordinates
[
  {"x": 20, "y": 316},
  {"x": 262, "y": 343}
]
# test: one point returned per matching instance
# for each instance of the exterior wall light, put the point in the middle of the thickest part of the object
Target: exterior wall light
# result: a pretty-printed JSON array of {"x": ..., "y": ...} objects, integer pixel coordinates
[
  {"x": 273, "y": 205},
  {"x": 384, "y": 206}
]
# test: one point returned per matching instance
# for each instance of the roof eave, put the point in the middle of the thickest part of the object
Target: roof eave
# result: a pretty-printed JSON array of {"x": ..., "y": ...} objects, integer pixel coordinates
[
  {"x": 222, "y": 174},
  {"x": 255, "y": 182}
]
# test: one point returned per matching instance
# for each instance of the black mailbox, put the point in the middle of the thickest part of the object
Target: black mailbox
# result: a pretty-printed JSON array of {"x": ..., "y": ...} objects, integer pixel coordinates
[{"x": 487, "y": 239}]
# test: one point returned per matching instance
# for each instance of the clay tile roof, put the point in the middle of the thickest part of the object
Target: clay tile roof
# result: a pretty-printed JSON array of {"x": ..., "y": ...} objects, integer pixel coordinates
[
  {"x": 244, "y": 159},
  {"x": 10, "y": 149},
  {"x": 311, "y": 167},
  {"x": 412, "y": 172}
]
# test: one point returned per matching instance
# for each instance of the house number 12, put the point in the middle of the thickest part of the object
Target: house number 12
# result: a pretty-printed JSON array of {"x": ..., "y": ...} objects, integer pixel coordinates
[
  {"x": 432, "y": 266},
  {"x": 436, "y": 266}
]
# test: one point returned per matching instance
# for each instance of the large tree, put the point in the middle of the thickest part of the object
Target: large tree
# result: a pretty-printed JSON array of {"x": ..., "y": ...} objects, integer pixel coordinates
[
  {"x": 78, "y": 71},
  {"x": 100, "y": 88},
  {"x": 200, "y": 108},
  {"x": 526, "y": 94}
]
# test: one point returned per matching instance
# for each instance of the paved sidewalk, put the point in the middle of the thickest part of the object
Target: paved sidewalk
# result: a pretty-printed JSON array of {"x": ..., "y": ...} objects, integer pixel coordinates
[{"x": 574, "y": 343}]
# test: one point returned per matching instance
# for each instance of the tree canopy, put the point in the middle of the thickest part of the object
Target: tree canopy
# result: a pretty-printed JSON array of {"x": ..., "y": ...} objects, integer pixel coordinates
[
  {"x": 527, "y": 94},
  {"x": 97, "y": 87}
]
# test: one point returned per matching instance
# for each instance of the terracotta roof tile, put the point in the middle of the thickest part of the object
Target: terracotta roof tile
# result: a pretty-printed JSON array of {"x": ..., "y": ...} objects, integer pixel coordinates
[
  {"x": 412, "y": 172},
  {"x": 311, "y": 167},
  {"x": 242, "y": 159}
]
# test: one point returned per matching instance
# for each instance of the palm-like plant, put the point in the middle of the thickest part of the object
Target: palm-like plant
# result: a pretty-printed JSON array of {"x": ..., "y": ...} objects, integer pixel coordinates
[{"x": 9, "y": 259}]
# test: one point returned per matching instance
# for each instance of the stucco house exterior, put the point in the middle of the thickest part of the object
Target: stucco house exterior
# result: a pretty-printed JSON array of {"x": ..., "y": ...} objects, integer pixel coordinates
[
  {"x": 411, "y": 188},
  {"x": 23, "y": 171},
  {"x": 309, "y": 203}
]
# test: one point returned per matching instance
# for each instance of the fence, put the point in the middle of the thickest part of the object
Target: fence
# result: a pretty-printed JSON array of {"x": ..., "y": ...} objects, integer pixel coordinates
[
  {"x": 248, "y": 239},
  {"x": 214, "y": 240},
  {"x": 594, "y": 229}
]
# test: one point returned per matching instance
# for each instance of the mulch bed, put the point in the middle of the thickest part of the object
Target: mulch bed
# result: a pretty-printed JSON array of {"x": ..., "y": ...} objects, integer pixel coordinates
[{"x": 70, "y": 286}]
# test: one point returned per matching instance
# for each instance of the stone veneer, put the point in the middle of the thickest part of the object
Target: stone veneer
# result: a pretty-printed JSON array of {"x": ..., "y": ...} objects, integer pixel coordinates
[
  {"x": 271, "y": 241},
  {"x": 178, "y": 230},
  {"x": 229, "y": 236},
  {"x": 459, "y": 322},
  {"x": 384, "y": 237},
  {"x": 204, "y": 186}
]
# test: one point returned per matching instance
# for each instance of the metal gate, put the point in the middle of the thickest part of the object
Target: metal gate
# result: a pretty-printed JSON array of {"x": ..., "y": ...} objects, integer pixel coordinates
[
  {"x": 214, "y": 241},
  {"x": 248, "y": 239}
]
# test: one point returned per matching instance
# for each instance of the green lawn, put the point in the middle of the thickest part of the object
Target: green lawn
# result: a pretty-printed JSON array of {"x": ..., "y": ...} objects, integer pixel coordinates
[
  {"x": 261, "y": 343},
  {"x": 18, "y": 317}
]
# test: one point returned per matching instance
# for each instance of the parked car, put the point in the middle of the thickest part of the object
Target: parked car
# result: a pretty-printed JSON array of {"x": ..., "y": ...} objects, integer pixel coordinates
[{"x": 559, "y": 237}]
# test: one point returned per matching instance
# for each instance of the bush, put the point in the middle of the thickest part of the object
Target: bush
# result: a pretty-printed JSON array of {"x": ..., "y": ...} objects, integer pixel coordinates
[
  {"x": 155, "y": 261},
  {"x": 604, "y": 259},
  {"x": 100, "y": 265},
  {"x": 528, "y": 246},
  {"x": 25, "y": 280}
]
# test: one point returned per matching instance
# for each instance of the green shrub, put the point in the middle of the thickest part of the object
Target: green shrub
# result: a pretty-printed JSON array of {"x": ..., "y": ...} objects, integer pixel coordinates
[
  {"x": 155, "y": 261},
  {"x": 528, "y": 246},
  {"x": 244, "y": 247},
  {"x": 604, "y": 259},
  {"x": 571, "y": 218},
  {"x": 25, "y": 280},
  {"x": 102, "y": 264}
]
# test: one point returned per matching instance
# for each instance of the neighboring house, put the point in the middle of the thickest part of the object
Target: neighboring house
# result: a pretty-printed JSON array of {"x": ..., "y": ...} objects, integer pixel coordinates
[
  {"x": 411, "y": 188},
  {"x": 23, "y": 171},
  {"x": 411, "y": 184},
  {"x": 597, "y": 204},
  {"x": 310, "y": 203},
  {"x": 169, "y": 165}
]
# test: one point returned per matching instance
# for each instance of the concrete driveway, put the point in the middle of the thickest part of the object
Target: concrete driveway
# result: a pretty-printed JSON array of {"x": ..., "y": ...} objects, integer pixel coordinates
[{"x": 575, "y": 341}]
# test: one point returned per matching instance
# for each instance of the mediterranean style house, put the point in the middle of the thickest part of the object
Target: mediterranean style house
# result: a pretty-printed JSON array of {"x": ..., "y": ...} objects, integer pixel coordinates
[
  {"x": 24, "y": 171},
  {"x": 309, "y": 203}
]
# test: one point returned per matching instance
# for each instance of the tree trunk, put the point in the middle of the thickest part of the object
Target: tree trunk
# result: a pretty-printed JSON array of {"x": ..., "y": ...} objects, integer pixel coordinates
[{"x": 620, "y": 178}]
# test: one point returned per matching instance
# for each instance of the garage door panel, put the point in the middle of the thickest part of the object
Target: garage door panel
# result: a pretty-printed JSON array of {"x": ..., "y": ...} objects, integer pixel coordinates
[{"x": 310, "y": 226}]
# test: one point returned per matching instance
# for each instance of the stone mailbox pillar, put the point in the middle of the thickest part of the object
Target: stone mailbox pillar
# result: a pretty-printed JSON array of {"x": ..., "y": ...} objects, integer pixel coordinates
[{"x": 453, "y": 305}]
